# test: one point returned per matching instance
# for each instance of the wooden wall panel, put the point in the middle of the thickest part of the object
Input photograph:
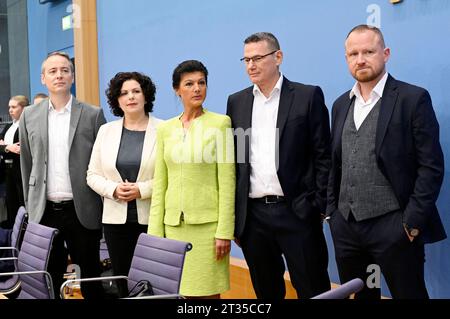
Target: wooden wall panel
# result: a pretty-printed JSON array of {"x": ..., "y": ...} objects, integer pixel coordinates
[
  {"x": 86, "y": 51},
  {"x": 241, "y": 284}
]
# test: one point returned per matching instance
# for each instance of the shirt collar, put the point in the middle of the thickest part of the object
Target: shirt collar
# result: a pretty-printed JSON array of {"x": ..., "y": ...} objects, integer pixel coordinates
[
  {"x": 276, "y": 88},
  {"x": 377, "y": 90},
  {"x": 67, "y": 107}
]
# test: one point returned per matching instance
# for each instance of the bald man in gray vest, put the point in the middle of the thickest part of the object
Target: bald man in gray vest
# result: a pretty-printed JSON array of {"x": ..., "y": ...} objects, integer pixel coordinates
[{"x": 387, "y": 170}]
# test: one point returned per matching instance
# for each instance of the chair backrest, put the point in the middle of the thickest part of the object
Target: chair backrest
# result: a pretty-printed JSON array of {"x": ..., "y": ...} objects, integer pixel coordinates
[
  {"x": 343, "y": 291},
  {"x": 33, "y": 256},
  {"x": 19, "y": 227},
  {"x": 11, "y": 284},
  {"x": 160, "y": 261}
]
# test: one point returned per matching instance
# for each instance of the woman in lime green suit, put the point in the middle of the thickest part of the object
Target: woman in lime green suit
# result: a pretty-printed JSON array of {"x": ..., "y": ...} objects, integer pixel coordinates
[{"x": 194, "y": 185}]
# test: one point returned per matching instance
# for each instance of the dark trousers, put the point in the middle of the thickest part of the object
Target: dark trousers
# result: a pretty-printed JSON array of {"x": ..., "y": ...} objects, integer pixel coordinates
[
  {"x": 83, "y": 246},
  {"x": 273, "y": 230},
  {"x": 14, "y": 194},
  {"x": 381, "y": 241},
  {"x": 121, "y": 240}
]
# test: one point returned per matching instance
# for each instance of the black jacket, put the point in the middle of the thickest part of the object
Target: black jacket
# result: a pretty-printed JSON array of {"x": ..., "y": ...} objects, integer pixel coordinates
[
  {"x": 9, "y": 155},
  {"x": 408, "y": 154},
  {"x": 304, "y": 149}
]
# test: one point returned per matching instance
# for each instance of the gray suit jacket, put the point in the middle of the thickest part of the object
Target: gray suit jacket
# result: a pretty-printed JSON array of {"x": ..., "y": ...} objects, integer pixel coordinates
[{"x": 85, "y": 121}]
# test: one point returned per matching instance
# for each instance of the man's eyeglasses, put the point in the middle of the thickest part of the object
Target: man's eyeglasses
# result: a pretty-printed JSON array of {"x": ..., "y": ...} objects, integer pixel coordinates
[{"x": 256, "y": 58}]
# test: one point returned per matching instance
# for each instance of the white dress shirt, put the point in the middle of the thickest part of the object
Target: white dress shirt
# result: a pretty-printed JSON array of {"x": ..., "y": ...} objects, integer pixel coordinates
[
  {"x": 263, "y": 174},
  {"x": 9, "y": 135},
  {"x": 58, "y": 179},
  {"x": 363, "y": 108}
]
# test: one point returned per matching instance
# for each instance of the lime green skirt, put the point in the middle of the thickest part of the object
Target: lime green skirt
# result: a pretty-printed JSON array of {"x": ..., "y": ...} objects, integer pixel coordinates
[{"x": 202, "y": 274}]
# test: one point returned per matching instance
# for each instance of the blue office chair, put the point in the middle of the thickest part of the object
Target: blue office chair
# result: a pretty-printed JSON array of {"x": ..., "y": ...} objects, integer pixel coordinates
[
  {"x": 32, "y": 262},
  {"x": 10, "y": 285},
  {"x": 343, "y": 291},
  {"x": 157, "y": 262}
]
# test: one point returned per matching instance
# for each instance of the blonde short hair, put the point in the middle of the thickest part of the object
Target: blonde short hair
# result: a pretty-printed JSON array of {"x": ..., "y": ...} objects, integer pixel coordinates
[{"x": 21, "y": 99}]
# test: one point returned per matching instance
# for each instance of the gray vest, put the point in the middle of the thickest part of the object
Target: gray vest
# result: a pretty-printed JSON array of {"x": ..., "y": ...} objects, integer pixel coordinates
[{"x": 364, "y": 190}]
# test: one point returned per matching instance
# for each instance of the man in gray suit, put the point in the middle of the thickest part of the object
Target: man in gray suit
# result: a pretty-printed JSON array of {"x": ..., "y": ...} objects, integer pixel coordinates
[{"x": 56, "y": 139}]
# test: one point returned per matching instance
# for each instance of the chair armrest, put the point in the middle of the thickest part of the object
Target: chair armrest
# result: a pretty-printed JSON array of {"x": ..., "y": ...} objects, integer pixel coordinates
[
  {"x": 34, "y": 272},
  {"x": 79, "y": 280},
  {"x": 8, "y": 258}
]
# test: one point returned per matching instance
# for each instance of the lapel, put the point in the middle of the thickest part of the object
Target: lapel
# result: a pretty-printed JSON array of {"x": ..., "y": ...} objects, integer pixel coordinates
[
  {"x": 75, "y": 114},
  {"x": 387, "y": 106},
  {"x": 113, "y": 138},
  {"x": 246, "y": 111},
  {"x": 5, "y": 129},
  {"x": 149, "y": 145},
  {"x": 341, "y": 115},
  {"x": 42, "y": 124},
  {"x": 16, "y": 136},
  {"x": 286, "y": 97}
]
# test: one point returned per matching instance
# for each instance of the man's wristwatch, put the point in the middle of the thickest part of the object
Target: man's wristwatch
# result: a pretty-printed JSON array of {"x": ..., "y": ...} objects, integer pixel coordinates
[{"x": 413, "y": 232}]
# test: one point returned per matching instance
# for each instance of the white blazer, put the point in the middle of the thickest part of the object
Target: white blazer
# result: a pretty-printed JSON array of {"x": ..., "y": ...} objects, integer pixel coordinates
[{"x": 103, "y": 176}]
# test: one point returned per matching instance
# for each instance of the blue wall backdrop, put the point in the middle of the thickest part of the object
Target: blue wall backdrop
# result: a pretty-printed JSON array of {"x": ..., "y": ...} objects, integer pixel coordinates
[
  {"x": 154, "y": 36},
  {"x": 45, "y": 35}
]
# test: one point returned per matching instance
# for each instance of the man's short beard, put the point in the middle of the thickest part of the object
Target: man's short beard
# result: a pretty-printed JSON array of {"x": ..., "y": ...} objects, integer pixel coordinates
[{"x": 367, "y": 76}]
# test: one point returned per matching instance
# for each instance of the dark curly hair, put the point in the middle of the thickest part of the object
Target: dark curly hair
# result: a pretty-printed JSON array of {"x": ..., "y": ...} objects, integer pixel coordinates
[
  {"x": 115, "y": 87},
  {"x": 188, "y": 66}
]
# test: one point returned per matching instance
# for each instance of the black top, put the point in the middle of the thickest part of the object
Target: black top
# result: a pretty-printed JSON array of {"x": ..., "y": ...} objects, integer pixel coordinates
[{"x": 129, "y": 162}]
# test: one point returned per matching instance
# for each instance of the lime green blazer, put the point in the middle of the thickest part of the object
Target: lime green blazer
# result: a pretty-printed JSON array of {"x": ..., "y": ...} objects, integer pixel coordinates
[{"x": 194, "y": 175}]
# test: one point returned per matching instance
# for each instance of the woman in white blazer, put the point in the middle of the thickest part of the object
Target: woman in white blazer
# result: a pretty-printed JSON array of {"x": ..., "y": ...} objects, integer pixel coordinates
[{"x": 122, "y": 166}]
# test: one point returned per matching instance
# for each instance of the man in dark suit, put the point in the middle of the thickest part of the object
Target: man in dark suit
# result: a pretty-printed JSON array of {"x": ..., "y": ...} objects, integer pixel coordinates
[
  {"x": 10, "y": 151},
  {"x": 56, "y": 140},
  {"x": 283, "y": 157},
  {"x": 387, "y": 170}
]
